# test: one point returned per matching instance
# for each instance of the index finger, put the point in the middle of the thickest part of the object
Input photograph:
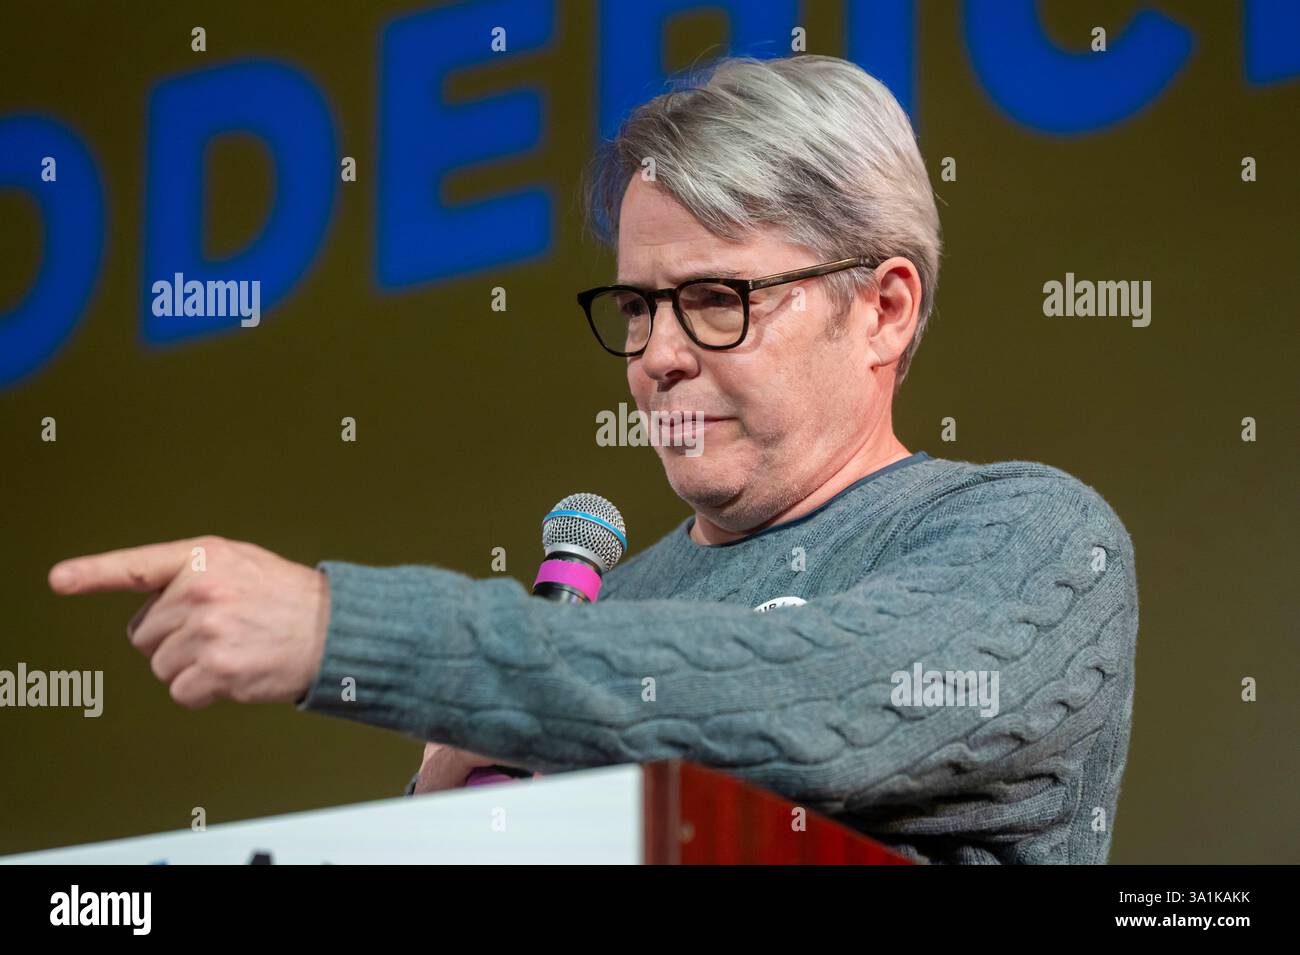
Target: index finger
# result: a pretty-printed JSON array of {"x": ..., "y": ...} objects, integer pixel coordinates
[{"x": 141, "y": 569}]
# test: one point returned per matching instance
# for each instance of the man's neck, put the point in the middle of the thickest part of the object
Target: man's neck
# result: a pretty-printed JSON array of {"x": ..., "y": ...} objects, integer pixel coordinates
[{"x": 871, "y": 457}]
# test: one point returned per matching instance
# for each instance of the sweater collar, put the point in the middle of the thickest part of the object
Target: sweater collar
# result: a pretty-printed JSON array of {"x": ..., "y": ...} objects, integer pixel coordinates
[{"x": 914, "y": 458}]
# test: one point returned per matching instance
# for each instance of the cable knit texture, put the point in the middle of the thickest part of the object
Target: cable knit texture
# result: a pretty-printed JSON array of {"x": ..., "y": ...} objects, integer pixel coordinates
[{"x": 1014, "y": 568}]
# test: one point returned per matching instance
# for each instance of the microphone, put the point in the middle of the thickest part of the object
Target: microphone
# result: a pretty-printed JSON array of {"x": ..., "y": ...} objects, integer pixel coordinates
[{"x": 583, "y": 537}]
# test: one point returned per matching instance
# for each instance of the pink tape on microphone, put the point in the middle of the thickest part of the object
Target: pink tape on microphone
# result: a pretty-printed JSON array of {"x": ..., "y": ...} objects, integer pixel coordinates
[{"x": 577, "y": 576}]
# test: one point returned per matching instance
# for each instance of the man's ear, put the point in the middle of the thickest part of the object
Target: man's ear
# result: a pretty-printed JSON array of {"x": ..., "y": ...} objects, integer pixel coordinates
[{"x": 897, "y": 301}]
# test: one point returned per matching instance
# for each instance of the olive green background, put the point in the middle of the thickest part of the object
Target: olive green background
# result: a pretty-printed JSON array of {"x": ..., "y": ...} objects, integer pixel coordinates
[{"x": 472, "y": 423}]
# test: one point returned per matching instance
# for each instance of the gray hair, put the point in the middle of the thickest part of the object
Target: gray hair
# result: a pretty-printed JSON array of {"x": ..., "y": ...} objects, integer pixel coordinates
[{"x": 811, "y": 144}]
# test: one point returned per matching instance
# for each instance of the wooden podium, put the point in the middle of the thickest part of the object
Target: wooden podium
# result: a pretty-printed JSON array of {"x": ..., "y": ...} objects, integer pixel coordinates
[
  {"x": 666, "y": 813},
  {"x": 698, "y": 816}
]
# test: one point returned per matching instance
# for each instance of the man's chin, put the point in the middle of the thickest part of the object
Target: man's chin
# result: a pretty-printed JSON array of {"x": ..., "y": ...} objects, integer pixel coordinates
[{"x": 704, "y": 485}]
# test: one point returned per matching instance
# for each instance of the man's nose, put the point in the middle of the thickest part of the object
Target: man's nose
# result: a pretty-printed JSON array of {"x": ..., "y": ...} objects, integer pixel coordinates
[{"x": 669, "y": 352}]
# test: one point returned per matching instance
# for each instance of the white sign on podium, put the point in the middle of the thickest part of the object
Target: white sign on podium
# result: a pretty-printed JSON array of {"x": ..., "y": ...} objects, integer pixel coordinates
[{"x": 590, "y": 816}]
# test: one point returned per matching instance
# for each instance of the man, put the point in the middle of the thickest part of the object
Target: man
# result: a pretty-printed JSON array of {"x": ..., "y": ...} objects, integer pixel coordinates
[{"x": 945, "y": 657}]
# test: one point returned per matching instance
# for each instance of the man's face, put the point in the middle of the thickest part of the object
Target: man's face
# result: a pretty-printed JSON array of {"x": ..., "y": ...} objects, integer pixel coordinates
[{"x": 787, "y": 408}]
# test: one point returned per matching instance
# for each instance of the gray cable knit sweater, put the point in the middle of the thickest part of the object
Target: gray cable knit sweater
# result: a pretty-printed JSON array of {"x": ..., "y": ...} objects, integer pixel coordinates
[{"x": 924, "y": 575}]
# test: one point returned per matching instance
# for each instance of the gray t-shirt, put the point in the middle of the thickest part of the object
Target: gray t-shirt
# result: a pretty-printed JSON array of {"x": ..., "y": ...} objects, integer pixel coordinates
[{"x": 946, "y": 665}]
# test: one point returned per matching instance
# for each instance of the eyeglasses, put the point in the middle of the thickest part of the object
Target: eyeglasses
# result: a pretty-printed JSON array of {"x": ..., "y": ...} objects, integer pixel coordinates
[{"x": 714, "y": 312}]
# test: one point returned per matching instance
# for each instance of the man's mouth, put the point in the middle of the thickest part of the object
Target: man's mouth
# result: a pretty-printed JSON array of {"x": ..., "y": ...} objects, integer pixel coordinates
[
  {"x": 671, "y": 415},
  {"x": 688, "y": 429}
]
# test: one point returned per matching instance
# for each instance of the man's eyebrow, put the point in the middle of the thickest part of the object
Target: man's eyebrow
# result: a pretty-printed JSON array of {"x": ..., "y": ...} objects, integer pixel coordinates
[{"x": 707, "y": 271}]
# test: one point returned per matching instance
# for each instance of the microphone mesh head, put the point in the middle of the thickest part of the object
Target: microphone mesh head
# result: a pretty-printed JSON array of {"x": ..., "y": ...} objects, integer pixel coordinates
[{"x": 576, "y": 522}]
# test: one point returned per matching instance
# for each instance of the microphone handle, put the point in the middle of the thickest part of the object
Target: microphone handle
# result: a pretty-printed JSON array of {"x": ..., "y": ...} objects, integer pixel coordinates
[
  {"x": 559, "y": 593},
  {"x": 568, "y": 577}
]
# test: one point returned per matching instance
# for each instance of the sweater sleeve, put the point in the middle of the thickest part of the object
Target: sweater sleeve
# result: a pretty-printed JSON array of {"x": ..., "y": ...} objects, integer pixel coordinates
[{"x": 1032, "y": 581}]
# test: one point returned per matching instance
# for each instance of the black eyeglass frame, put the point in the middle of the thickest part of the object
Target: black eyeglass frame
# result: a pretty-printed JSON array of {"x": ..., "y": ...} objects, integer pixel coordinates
[{"x": 743, "y": 287}]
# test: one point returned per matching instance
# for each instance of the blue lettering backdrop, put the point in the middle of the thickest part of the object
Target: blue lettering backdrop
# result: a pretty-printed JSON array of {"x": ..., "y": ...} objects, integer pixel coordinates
[{"x": 420, "y": 238}]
